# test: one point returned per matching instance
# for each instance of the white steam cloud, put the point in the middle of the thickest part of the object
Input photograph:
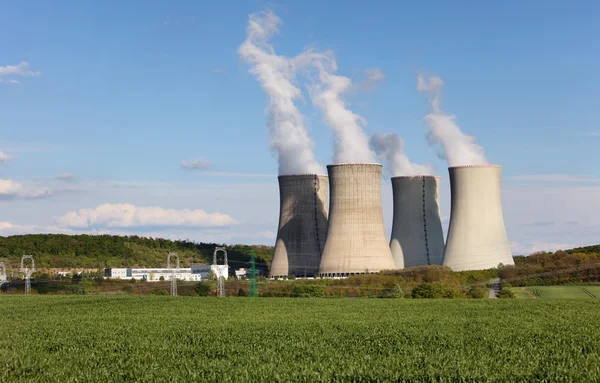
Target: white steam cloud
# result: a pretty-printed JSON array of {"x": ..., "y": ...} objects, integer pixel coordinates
[
  {"x": 277, "y": 74},
  {"x": 390, "y": 150},
  {"x": 351, "y": 143},
  {"x": 459, "y": 148}
]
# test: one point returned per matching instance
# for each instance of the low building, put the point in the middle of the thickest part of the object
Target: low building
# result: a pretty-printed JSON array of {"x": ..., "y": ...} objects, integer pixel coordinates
[{"x": 153, "y": 274}]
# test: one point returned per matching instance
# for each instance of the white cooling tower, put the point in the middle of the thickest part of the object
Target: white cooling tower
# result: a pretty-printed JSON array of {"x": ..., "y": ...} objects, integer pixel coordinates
[
  {"x": 417, "y": 236},
  {"x": 302, "y": 225},
  {"x": 476, "y": 235},
  {"x": 356, "y": 241}
]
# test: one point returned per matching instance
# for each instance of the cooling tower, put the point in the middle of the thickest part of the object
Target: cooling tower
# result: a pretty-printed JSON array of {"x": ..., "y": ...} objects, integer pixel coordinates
[
  {"x": 302, "y": 225},
  {"x": 356, "y": 241},
  {"x": 476, "y": 236},
  {"x": 417, "y": 236}
]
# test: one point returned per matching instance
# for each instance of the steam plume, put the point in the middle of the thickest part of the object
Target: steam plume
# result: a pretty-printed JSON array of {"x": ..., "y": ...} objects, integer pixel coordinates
[
  {"x": 390, "y": 150},
  {"x": 351, "y": 144},
  {"x": 459, "y": 148},
  {"x": 277, "y": 74}
]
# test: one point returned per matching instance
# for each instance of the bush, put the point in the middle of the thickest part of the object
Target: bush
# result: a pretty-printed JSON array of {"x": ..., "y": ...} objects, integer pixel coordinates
[
  {"x": 202, "y": 289},
  {"x": 158, "y": 292},
  {"x": 426, "y": 290},
  {"x": 161, "y": 278},
  {"x": 132, "y": 280},
  {"x": 242, "y": 293},
  {"x": 307, "y": 291},
  {"x": 477, "y": 292},
  {"x": 506, "y": 294}
]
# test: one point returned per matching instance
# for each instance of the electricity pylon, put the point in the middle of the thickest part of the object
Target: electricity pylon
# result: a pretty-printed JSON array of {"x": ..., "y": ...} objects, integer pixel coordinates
[
  {"x": 27, "y": 272},
  {"x": 220, "y": 270},
  {"x": 173, "y": 277}
]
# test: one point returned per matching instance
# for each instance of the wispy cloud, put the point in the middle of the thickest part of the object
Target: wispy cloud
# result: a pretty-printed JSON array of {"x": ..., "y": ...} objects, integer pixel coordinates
[
  {"x": 67, "y": 177},
  {"x": 196, "y": 163},
  {"x": 218, "y": 70},
  {"x": 372, "y": 77},
  {"x": 22, "y": 69},
  {"x": 10, "y": 81},
  {"x": 5, "y": 157},
  {"x": 127, "y": 215},
  {"x": 592, "y": 134},
  {"x": 558, "y": 178}
]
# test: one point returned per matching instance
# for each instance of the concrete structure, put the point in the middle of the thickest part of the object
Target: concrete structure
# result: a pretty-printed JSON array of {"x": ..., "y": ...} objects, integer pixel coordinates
[
  {"x": 356, "y": 241},
  {"x": 417, "y": 237},
  {"x": 302, "y": 225},
  {"x": 476, "y": 236}
]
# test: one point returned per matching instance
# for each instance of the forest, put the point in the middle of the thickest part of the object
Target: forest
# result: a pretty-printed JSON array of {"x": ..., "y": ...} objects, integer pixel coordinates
[{"x": 107, "y": 251}]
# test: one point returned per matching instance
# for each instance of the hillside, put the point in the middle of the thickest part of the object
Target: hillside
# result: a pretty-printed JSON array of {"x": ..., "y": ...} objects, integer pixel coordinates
[{"x": 99, "y": 251}]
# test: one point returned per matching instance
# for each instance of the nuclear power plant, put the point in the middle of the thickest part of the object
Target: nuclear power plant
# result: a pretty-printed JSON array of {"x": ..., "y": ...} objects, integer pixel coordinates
[
  {"x": 356, "y": 241},
  {"x": 417, "y": 237},
  {"x": 476, "y": 235},
  {"x": 302, "y": 225}
]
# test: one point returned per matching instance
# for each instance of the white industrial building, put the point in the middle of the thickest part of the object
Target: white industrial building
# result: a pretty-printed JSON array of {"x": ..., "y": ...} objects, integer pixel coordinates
[{"x": 194, "y": 273}]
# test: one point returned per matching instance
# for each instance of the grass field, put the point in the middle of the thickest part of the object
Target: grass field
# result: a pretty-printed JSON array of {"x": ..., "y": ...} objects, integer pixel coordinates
[
  {"x": 543, "y": 292},
  {"x": 149, "y": 338}
]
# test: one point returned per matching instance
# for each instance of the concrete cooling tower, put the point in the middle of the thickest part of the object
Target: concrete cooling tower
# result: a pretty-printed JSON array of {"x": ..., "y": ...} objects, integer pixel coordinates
[
  {"x": 476, "y": 235},
  {"x": 302, "y": 225},
  {"x": 417, "y": 236},
  {"x": 356, "y": 241}
]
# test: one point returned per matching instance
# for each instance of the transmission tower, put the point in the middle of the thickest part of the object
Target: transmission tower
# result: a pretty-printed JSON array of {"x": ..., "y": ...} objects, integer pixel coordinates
[
  {"x": 27, "y": 272},
  {"x": 173, "y": 277},
  {"x": 220, "y": 270},
  {"x": 2, "y": 274}
]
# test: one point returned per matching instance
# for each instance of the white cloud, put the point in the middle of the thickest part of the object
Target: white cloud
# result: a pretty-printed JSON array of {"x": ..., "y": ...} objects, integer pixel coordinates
[
  {"x": 10, "y": 81},
  {"x": 127, "y": 215},
  {"x": 21, "y": 69},
  {"x": 5, "y": 157},
  {"x": 196, "y": 163},
  {"x": 10, "y": 189},
  {"x": 68, "y": 177}
]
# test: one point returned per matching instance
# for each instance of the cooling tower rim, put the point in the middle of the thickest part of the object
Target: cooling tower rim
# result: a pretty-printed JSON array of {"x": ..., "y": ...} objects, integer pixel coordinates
[
  {"x": 354, "y": 164},
  {"x": 302, "y": 175},
  {"x": 474, "y": 166},
  {"x": 416, "y": 176}
]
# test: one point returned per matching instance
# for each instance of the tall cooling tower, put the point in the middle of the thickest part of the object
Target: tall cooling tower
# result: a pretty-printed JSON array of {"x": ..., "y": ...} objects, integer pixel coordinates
[
  {"x": 417, "y": 236},
  {"x": 302, "y": 225},
  {"x": 356, "y": 241},
  {"x": 476, "y": 236}
]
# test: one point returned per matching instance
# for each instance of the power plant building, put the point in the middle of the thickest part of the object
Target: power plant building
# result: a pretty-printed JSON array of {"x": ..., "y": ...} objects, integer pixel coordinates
[
  {"x": 302, "y": 225},
  {"x": 417, "y": 237},
  {"x": 356, "y": 241},
  {"x": 476, "y": 236}
]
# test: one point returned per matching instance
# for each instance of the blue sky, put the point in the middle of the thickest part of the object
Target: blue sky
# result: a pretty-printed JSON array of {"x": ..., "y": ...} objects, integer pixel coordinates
[{"x": 129, "y": 90}]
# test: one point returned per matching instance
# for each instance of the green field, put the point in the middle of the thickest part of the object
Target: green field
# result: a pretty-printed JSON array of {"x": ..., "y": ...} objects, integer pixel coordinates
[
  {"x": 544, "y": 292},
  {"x": 150, "y": 338}
]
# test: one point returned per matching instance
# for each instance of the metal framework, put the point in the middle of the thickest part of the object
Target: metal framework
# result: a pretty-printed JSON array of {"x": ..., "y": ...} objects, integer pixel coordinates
[
  {"x": 220, "y": 270},
  {"x": 2, "y": 274},
  {"x": 173, "y": 277},
  {"x": 27, "y": 272}
]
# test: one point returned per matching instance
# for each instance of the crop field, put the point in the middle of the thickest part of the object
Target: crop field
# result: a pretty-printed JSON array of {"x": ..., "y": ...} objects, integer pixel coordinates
[
  {"x": 177, "y": 339},
  {"x": 549, "y": 292}
]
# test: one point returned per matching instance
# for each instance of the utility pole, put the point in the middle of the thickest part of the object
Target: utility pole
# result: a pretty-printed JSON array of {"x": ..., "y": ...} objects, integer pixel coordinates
[
  {"x": 220, "y": 270},
  {"x": 173, "y": 276},
  {"x": 27, "y": 272}
]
